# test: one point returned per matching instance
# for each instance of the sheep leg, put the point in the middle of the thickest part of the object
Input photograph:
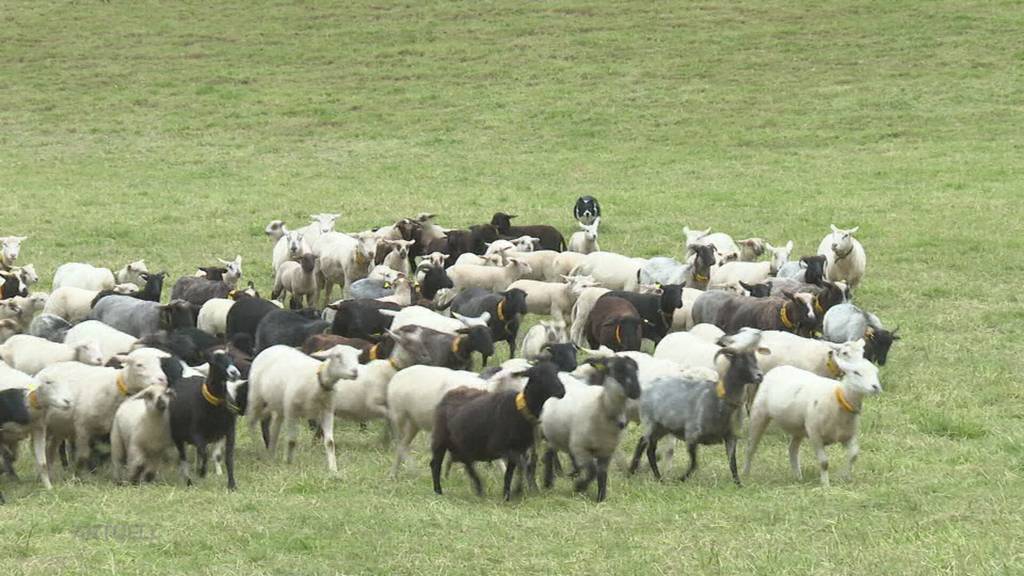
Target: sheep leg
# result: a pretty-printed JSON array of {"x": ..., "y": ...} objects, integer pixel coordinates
[
  {"x": 794, "y": 456},
  {"x": 730, "y": 450},
  {"x": 274, "y": 435},
  {"x": 52, "y": 447},
  {"x": 202, "y": 454},
  {"x": 590, "y": 472},
  {"x": 327, "y": 423},
  {"x": 602, "y": 478},
  {"x": 435, "y": 468},
  {"x": 291, "y": 427},
  {"x": 405, "y": 433},
  {"x": 8, "y": 460},
  {"x": 81, "y": 449},
  {"x": 478, "y": 487},
  {"x": 652, "y": 456},
  {"x": 183, "y": 464},
  {"x": 819, "y": 451},
  {"x": 758, "y": 424},
  {"x": 511, "y": 339},
  {"x": 852, "y": 451},
  {"x": 63, "y": 450},
  {"x": 229, "y": 454},
  {"x": 39, "y": 451},
  {"x": 691, "y": 447},
  {"x": 218, "y": 457},
  {"x": 640, "y": 446},
  {"x": 529, "y": 465},
  {"x": 549, "y": 468},
  {"x": 510, "y": 471}
]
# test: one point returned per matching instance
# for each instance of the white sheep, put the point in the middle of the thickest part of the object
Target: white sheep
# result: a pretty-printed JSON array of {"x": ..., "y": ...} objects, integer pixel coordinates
[
  {"x": 342, "y": 259},
  {"x": 74, "y": 304},
  {"x": 846, "y": 259},
  {"x": 140, "y": 435},
  {"x": 469, "y": 259},
  {"x": 687, "y": 350},
  {"x": 290, "y": 387},
  {"x": 291, "y": 246},
  {"x": 554, "y": 298},
  {"x": 297, "y": 279},
  {"x": 816, "y": 356},
  {"x": 413, "y": 396},
  {"x": 213, "y": 316},
  {"x": 420, "y": 316},
  {"x": 544, "y": 332},
  {"x": 41, "y": 396},
  {"x": 493, "y": 278},
  {"x": 319, "y": 224},
  {"x": 664, "y": 270},
  {"x": 525, "y": 244},
  {"x": 722, "y": 242},
  {"x": 496, "y": 254},
  {"x": 751, "y": 249},
  {"x": 111, "y": 340},
  {"x": 750, "y": 272},
  {"x": 27, "y": 306},
  {"x": 563, "y": 264},
  {"x": 588, "y": 421},
  {"x": 581, "y": 313},
  {"x": 398, "y": 258},
  {"x": 707, "y": 332},
  {"x": 585, "y": 241},
  {"x": 613, "y": 271},
  {"x": 97, "y": 392},
  {"x": 85, "y": 276},
  {"x": 434, "y": 259},
  {"x": 541, "y": 263},
  {"x": 366, "y": 397},
  {"x": 805, "y": 405},
  {"x": 10, "y": 247},
  {"x": 404, "y": 294},
  {"x": 31, "y": 354},
  {"x": 132, "y": 273}
]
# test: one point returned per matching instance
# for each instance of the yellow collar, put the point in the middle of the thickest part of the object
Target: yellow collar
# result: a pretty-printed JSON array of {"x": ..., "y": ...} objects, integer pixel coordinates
[
  {"x": 33, "y": 400},
  {"x": 720, "y": 388},
  {"x": 523, "y": 408},
  {"x": 320, "y": 374},
  {"x": 700, "y": 277},
  {"x": 455, "y": 344},
  {"x": 209, "y": 397},
  {"x": 869, "y": 334},
  {"x": 843, "y": 402},
  {"x": 817, "y": 306},
  {"x": 121, "y": 386},
  {"x": 501, "y": 310},
  {"x": 233, "y": 294},
  {"x": 784, "y": 316},
  {"x": 618, "y": 334},
  {"x": 393, "y": 363},
  {"x": 373, "y": 351},
  {"x": 832, "y": 366}
]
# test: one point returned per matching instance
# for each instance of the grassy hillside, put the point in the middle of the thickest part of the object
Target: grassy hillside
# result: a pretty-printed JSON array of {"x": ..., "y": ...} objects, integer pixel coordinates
[{"x": 175, "y": 131}]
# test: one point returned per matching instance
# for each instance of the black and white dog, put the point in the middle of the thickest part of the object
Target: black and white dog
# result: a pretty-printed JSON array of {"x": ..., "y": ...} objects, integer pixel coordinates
[{"x": 587, "y": 210}]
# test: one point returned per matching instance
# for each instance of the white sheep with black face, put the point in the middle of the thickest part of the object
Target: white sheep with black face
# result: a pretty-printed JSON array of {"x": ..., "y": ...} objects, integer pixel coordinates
[
  {"x": 42, "y": 395},
  {"x": 825, "y": 411},
  {"x": 846, "y": 259}
]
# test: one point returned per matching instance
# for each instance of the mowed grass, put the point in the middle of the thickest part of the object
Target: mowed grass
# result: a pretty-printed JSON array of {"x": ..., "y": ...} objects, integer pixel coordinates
[{"x": 175, "y": 131}]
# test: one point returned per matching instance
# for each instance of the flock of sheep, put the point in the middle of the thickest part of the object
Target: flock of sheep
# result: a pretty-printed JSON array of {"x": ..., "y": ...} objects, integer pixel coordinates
[{"x": 737, "y": 327}]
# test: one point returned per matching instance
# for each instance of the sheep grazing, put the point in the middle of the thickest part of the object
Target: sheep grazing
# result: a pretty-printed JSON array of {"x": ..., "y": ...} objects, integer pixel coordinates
[
  {"x": 141, "y": 434},
  {"x": 505, "y": 311},
  {"x": 97, "y": 392},
  {"x": 46, "y": 326},
  {"x": 38, "y": 397},
  {"x": 544, "y": 332},
  {"x": 291, "y": 246},
  {"x": 479, "y": 426},
  {"x": 846, "y": 257},
  {"x": 289, "y": 386},
  {"x": 132, "y": 273},
  {"x": 586, "y": 210},
  {"x": 614, "y": 322},
  {"x": 550, "y": 238},
  {"x": 288, "y": 327},
  {"x": 141, "y": 317},
  {"x": 112, "y": 341},
  {"x": 585, "y": 241},
  {"x": 204, "y": 412},
  {"x": 10, "y": 247},
  {"x": 31, "y": 354},
  {"x": 85, "y": 276},
  {"x": 805, "y": 405},
  {"x": 657, "y": 310},
  {"x": 588, "y": 422},
  {"x": 297, "y": 279},
  {"x": 492, "y": 278},
  {"x": 751, "y": 272},
  {"x": 697, "y": 410},
  {"x": 848, "y": 323}
]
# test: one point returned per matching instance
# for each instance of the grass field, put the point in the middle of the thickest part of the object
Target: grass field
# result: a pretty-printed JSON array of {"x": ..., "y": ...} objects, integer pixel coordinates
[{"x": 175, "y": 131}]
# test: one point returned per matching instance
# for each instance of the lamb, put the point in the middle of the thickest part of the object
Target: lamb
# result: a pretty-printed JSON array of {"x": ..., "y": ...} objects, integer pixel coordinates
[
  {"x": 614, "y": 322},
  {"x": 613, "y": 271},
  {"x": 319, "y": 225},
  {"x": 141, "y": 434},
  {"x": 291, "y": 246},
  {"x": 17, "y": 281},
  {"x": 848, "y": 323},
  {"x": 37, "y": 397},
  {"x": 492, "y": 278},
  {"x": 97, "y": 392},
  {"x": 297, "y": 279},
  {"x": 404, "y": 293},
  {"x": 10, "y": 310},
  {"x": 141, "y": 317},
  {"x": 688, "y": 350},
  {"x": 697, "y": 410},
  {"x": 751, "y": 249},
  {"x": 505, "y": 309},
  {"x": 816, "y": 356},
  {"x": 85, "y": 276},
  {"x": 544, "y": 332},
  {"x": 823, "y": 410},
  {"x": 10, "y": 247},
  {"x": 27, "y": 306},
  {"x": 275, "y": 230},
  {"x": 74, "y": 304},
  {"x": 751, "y": 272},
  {"x": 204, "y": 411},
  {"x": 377, "y": 284},
  {"x": 722, "y": 242},
  {"x": 554, "y": 298},
  {"x": 365, "y": 398},
  {"x": 31, "y": 354},
  {"x": 48, "y": 326},
  {"x": 846, "y": 257},
  {"x": 476, "y": 425},
  {"x": 289, "y": 386},
  {"x": 585, "y": 241},
  {"x": 132, "y": 273},
  {"x": 581, "y": 313},
  {"x": 398, "y": 258},
  {"x": 588, "y": 421},
  {"x": 112, "y": 341}
]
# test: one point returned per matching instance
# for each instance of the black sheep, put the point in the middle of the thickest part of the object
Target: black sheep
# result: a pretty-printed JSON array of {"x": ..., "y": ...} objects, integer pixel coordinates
[
  {"x": 244, "y": 318},
  {"x": 478, "y": 426},
  {"x": 152, "y": 291},
  {"x": 657, "y": 310},
  {"x": 189, "y": 344},
  {"x": 203, "y": 412},
  {"x": 362, "y": 318},
  {"x": 13, "y": 409},
  {"x": 198, "y": 290},
  {"x": 550, "y": 237},
  {"x": 614, "y": 322},
  {"x": 506, "y": 309},
  {"x": 288, "y": 327},
  {"x": 434, "y": 279}
]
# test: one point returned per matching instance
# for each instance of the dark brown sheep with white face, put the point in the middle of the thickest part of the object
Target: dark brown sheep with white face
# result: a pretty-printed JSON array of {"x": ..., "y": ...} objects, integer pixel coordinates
[
  {"x": 550, "y": 237},
  {"x": 614, "y": 322},
  {"x": 478, "y": 426},
  {"x": 788, "y": 313}
]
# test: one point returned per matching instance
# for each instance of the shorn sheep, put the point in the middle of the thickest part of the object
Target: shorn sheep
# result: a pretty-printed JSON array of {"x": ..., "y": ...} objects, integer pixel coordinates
[
  {"x": 846, "y": 257},
  {"x": 822, "y": 410},
  {"x": 141, "y": 434}
]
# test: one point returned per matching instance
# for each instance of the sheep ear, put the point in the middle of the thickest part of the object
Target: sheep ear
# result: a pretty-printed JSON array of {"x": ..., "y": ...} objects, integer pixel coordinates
[
  {"x": 853, "y": 230},
  {"x": 834, "y": 229},
  {"x": 321, "y": 355},
  {"x": 789, "y": 246}
]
